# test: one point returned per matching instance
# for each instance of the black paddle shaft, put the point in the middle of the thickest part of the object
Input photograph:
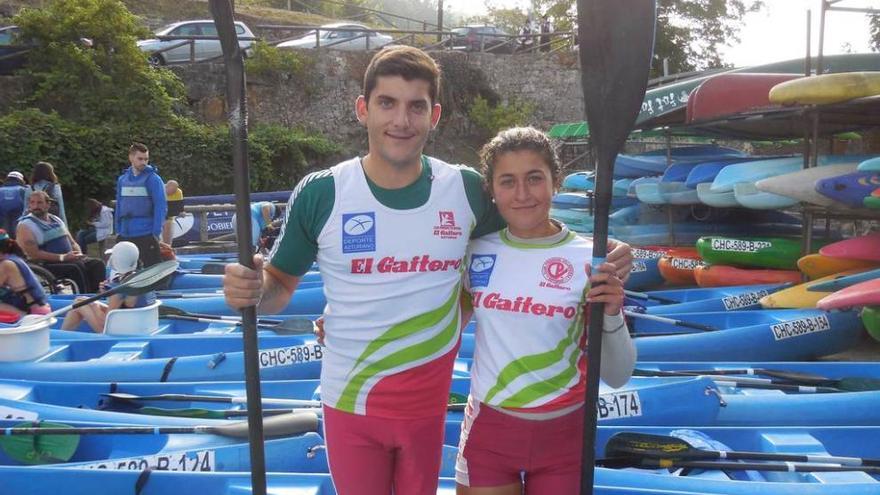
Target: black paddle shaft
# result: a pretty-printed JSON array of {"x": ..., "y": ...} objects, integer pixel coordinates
[
  {"x": 221, "y": 11},
  {"x": 616, "y": 46}
]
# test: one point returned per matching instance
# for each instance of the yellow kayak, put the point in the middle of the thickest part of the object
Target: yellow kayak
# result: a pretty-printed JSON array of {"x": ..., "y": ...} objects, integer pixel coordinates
[
  {"x": 817, "y": 266},
  {"x": 798, "y": 296},
  {"x": 827, "y": 88}
]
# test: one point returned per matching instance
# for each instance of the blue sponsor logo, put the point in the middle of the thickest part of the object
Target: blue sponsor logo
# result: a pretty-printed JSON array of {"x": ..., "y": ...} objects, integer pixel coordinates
[
  {"x": 358, "y": 232},
  {"x": 480, "y": 269}
]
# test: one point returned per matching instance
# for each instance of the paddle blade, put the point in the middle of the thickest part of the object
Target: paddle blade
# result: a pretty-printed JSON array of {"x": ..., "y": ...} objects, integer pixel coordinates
[
  {"x": 144, "y": 280},
  {"x": 858, "y": 384},
  {"x": 40, "y": 449},
  {"x": 293, "y": 326},
  {"x": 616, "y": 47},
  {"x": 628, "y": 444},
  {"x": 171, "y": 311},
  {"x": 213, "y": 268}
]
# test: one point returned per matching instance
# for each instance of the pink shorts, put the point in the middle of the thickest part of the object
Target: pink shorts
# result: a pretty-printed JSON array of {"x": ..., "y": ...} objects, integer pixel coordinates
[
  {"x": 375, "y": 456},
  {"x": 497, "y": 449}
]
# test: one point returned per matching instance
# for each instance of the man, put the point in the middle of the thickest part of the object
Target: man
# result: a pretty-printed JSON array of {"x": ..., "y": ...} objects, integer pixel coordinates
[
  {"x": 389, "y": 231},
  {"x": 13, "y": 200},
  {"x": 44, "y": 237},
  {"x": 141, "y": 205}
]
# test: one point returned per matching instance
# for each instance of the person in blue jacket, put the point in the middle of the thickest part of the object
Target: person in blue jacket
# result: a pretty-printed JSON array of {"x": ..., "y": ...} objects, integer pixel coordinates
[
  {"x": 141, "y": 205},
  {"x": 13, "y": 201}
]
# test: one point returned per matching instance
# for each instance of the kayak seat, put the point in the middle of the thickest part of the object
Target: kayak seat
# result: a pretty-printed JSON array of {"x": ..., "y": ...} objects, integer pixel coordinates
[
  {"x": 133, "y": 321},
  {"x": 127, "y": 351},
  {"x": 804, "y": 443}
]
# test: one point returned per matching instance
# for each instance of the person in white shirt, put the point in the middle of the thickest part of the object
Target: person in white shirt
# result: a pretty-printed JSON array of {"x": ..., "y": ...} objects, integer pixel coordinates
[{"x": 99, "y": 224}]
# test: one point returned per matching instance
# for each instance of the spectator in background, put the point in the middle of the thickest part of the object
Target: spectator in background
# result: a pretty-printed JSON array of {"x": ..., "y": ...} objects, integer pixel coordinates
[
  {"x": 262, "y": 213},
  {"x": 45, "y": 238},
  {"x": 174, "y": 195},
  {"x": 546, "y": 29},
  {"x": 20, "y": 291},
  {"x": 123, "y": 262},
  {"x": 99, "y": 224},
  {"x": 43, "y": 178},
  {"x": 141, "y": 205},
  {"x": 13, "y": 201}
]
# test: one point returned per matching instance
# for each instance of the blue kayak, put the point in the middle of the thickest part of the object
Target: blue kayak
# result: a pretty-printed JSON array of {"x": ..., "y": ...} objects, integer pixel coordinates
[
  {"x": 631, "y": 190},
  {"x": 701, "y": 300},
  {"x": 204, "y": 452},
  {"x": 810, "y": 335},
  {"x": 761, "y": 169},
  {"x": 308, "y": 300},
  {"x": 843, "y": 281},
  {"x": 579, "y": 181}
]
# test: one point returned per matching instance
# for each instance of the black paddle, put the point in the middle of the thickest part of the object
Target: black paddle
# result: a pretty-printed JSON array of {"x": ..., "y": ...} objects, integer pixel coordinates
[
  {"x": 289, "y": 326},
  {"x": 616, "y": 45},
  {"x": 733, "y": 466},
  {"x": 220, "y": 399},
  {"x": 649, "y": 297},
  {"x": 822, "y": 384},
  {"x": 166, "y": 311},
  {"x": 233, "y": 58},
  {"x": 670, "y": 321},
  {"x": 138, "y": 283},
  {"x": 641, "y": 445}
]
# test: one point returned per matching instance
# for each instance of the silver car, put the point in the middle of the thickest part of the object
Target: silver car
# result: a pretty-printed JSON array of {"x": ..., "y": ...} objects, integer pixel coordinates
[
  {"x": 331, "y": 37},
  {"x": 201, "y": 49}
]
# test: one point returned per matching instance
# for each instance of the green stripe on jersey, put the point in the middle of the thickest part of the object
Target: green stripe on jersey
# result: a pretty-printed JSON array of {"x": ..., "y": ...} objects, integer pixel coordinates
[{"x": 410, "y": 354}]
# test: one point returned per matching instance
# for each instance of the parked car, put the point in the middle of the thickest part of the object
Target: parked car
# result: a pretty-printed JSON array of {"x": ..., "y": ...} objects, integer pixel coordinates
[
  {"x": 481, "y": 38},
  {"x": 204, "y": 49},
  {"x": 333, "y": 38},
  {"x": 13, "y": 54}
]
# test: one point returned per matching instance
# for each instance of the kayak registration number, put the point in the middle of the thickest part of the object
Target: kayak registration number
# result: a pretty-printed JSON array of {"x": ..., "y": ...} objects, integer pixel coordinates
[
  {"x": 745, "y": 300},
  {"x": 739, "y": 245},
  {"x": 799, "y": 327},
  {"x": 287, "y": 356},
  {"x": 646, "y": 254},
  {"x": 619, "y": 405},
  {"x": 199, "y": 461},
  {"x": 639, "y": 266},
  {"x": 685, "y": 263}
]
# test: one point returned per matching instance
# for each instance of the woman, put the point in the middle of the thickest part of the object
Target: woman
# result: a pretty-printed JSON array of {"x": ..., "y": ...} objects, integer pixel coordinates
[
  {"x": 123, "y": 261},
  {"x": 43, "y": 178},
  {"x": 528, "y": 285},
  {"x": 99, "y": 225},
  {"x": 20, "y": 291}
]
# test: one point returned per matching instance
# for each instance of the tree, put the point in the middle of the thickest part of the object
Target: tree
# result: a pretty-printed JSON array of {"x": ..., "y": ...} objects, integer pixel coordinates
[
  {"x": 689, "y": 32},
  {"x": 87, "y": 67},
  {"x": 874, "y": 23}
]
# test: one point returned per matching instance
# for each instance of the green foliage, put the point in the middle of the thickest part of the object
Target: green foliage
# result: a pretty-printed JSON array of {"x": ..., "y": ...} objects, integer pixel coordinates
[
  {"x": 874, "y": 27},
  {"x": 493, "y": 118},
  {"x": 89, "y": 158},
  {"x": 270, "y": 63},
  {"x": 105, "y": 80}
]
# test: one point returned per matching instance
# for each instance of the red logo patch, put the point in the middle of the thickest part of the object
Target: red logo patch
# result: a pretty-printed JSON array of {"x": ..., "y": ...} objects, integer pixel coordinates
[
  {"x": 557, "y": 271},
  {"x": 447, "y": 229}
]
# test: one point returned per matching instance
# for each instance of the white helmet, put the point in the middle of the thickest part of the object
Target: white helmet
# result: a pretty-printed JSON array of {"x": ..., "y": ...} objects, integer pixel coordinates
[{"x": 124, "y": 258}]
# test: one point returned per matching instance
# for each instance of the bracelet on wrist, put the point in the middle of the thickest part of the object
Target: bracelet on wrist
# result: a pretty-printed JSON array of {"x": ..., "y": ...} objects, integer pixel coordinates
[{"x": 615, "y": 329}]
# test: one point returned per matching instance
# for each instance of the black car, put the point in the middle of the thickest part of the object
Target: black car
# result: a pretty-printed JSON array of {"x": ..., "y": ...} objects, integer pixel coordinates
[{"x": 481, "y": 38}]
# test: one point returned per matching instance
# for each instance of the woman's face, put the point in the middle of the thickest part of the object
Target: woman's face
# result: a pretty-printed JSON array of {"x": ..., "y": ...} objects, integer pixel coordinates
[{"x": 522, "y": 186}]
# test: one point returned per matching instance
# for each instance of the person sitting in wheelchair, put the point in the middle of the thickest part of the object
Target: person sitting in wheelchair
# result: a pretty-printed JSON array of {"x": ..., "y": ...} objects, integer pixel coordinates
[{"x": 123, "y": 263}]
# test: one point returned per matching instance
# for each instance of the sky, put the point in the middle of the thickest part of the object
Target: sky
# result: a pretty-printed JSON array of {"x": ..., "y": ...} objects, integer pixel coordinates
[{"x": 777, "y": 32}]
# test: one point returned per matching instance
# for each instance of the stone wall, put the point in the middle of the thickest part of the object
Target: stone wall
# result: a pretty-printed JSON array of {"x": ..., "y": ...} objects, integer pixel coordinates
[{"x": 550, "y": 83}]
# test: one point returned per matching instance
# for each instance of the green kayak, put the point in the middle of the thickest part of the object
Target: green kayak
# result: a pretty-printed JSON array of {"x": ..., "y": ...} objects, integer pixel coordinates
[
  {"x": 872, "y": 202},
  {"x": 871, "y": 320},
  {"x": 763, "y": 252}
]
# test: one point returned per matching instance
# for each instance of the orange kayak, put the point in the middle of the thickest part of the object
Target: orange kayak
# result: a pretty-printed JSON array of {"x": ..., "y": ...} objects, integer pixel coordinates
[
  {"x": 723, "y": 275},
  {"x": 678, "y": 264}
]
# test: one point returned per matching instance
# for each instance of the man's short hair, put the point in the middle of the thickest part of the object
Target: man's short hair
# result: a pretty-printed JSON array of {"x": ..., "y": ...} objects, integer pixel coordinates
[
  {"x": 408, "y": 62},
  {"x": 44, "y": 194},
  {"x": 138, "y": 147}
]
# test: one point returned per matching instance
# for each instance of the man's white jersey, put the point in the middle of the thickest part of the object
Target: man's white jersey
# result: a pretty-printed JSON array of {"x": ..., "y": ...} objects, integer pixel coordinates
[
  {"x": 392, "y": 280},
  {"x": 528, "y": 300}
]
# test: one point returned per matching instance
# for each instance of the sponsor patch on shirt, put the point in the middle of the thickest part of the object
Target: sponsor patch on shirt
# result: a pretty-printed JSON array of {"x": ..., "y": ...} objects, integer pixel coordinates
[
  {"x": 358, "y": 232},
  {"x": 446, "y": 228},
  {"x": 557, "y": 272},
  {"x": 480, "y": 269}
]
